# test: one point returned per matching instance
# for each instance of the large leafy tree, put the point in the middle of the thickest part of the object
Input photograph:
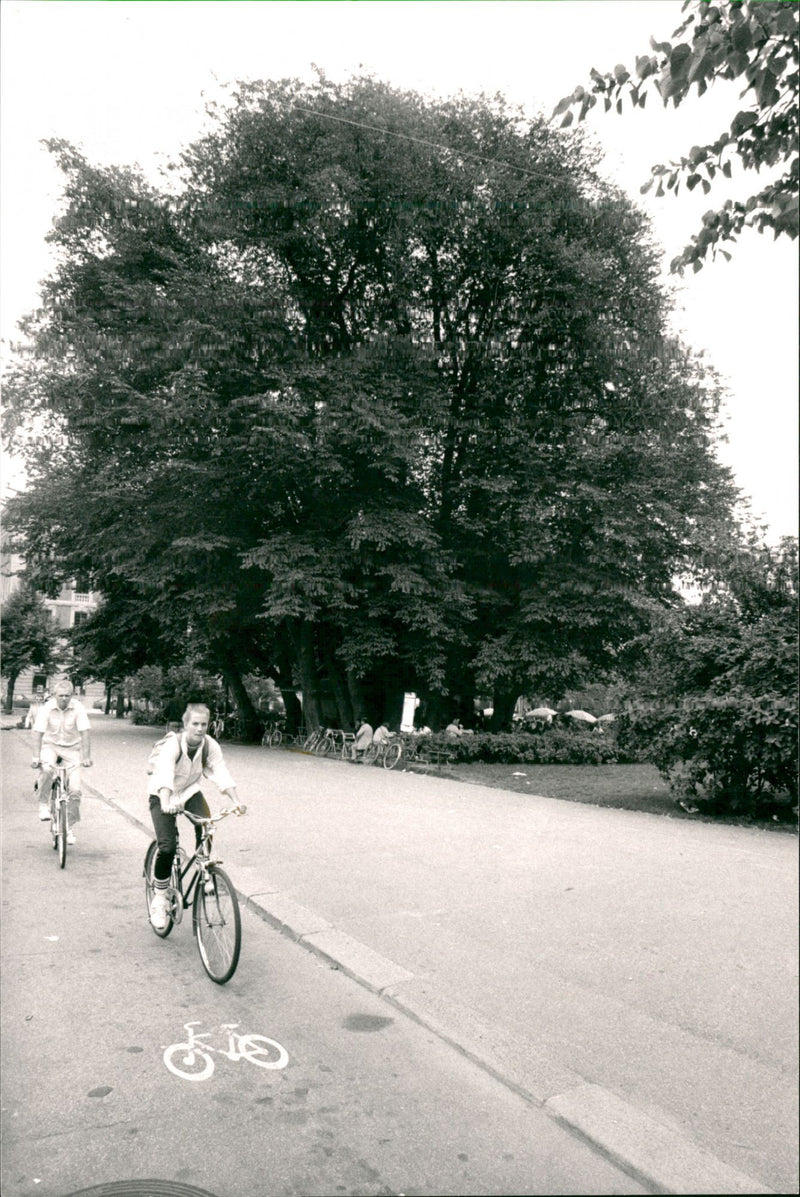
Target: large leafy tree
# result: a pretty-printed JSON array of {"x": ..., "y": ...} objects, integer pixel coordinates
[
  {"x": 381, "y": 400},
  {"x": 755, "y": 41},
  {"x": 29, "y": 637}
]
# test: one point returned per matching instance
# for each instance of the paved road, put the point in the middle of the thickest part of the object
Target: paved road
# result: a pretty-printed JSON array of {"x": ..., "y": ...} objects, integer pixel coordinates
[
  {"x": 634, "y": 977},
  {"x": 369, "y": 1103}
]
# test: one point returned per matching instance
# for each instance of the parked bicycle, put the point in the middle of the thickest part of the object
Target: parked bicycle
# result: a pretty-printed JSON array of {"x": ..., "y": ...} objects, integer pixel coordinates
[
  {"x": 313, "y": 739},
  {"x": 192, "y": 1060},
  {"x": 200, "y": 882},
  {"x": 387, "y": 753},
  {"x": 273, "y": 735},
  {"x": 60, "y": 808}
]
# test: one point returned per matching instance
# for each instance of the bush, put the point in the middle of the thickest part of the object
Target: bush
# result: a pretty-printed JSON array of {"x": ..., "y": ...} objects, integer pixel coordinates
[
  {"x": 551, "y": 746},
  {"x": 732, "y": 755}
]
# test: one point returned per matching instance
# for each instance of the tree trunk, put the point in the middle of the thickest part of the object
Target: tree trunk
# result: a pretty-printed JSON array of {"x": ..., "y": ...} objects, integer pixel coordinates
[
  {"x": 504, "y": 703},
  {"x": 339, "y": 685},
  {"x": 120, "y": 706},
  {"x": 252, "y": 729},
  {"x": 355, "y": 691},
  {"x": 309, "y": 677},
  {"x": 9, "y": 703}
]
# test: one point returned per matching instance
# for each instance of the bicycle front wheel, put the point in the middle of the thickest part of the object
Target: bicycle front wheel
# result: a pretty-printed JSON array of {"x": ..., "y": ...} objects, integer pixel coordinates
[
  {"x": 149, "y": 889},
  {"x": 276, "y": 737},
  {"x": 61, "y": 823},
  {"x": 217, "y": 925},
  {"x": 309, "y": 742},
  {"x": 392, "y": 755},
  {"x": 324, "y": 746}
]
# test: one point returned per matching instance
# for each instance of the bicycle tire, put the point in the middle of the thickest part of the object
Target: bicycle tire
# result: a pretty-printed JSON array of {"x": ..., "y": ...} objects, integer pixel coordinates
[
  {"x": 276, "y": 738},
  {"x": 324, "y": 747},
  {"x": 310, "y": 742},
  {"x": 149, "y": 886},
  {"x": 371, "y": 754},
  {"x": 251, "y": 1049},
  {"x": 62, "y": 830},
  {"x": 206, "y": 1062},
  {"x": 217, "y": 926},
  {"x": 392, "y": 755}
]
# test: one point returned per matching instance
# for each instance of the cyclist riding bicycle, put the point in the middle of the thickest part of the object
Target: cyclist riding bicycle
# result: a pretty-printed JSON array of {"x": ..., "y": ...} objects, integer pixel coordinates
[
  {"x": 179, "y": 763},
  {"x": 61, "y": 732}
]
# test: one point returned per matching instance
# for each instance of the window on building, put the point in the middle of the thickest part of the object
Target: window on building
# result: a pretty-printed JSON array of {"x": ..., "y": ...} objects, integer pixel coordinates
[{"x": 79, "y": 617}]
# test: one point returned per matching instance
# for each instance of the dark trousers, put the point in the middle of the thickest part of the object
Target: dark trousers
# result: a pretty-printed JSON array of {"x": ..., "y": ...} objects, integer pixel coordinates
[{"x": 166, "y": 829}]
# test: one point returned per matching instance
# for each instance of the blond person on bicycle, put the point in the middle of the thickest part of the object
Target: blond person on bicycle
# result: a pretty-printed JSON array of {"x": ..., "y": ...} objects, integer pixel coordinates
[
  {"x": 182, "y": 760},
  {"x": 61, "y": 732}
]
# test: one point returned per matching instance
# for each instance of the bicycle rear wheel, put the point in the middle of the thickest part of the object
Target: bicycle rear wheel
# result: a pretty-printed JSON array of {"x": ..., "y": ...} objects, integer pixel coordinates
[
  {"x": 276, "y": 737},
  {"x": 392, "y": 755},
  {"x": 324, "y": 747},
  {"x": 61, "y": 823},
  {"x": 309, "y": 742},
  {"x": 217, "y": 925},
  {"x": 149, "y": 889}
]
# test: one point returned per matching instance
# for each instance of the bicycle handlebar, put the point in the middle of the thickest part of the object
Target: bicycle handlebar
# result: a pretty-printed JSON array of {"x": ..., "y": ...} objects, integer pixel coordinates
[{"x": 228, "y": 810}]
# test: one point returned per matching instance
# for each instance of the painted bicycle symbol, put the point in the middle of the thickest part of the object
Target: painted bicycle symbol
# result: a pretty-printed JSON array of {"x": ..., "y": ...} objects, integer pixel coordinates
[{"x": 192, "y": 1060}]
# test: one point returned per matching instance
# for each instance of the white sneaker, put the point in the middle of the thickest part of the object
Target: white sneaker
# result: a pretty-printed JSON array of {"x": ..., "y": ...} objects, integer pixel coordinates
[
  {"x": 159, "y": 910},
  {"x": 44, "y": 811},
  {"x": 70, "y": 837}
]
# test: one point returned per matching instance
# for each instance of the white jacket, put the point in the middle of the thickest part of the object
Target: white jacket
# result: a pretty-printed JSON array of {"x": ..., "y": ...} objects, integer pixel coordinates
[{"x": 182, "y": 775}]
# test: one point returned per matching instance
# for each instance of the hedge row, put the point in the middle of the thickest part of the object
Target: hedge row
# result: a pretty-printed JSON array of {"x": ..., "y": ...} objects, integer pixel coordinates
[{"x": 551, "y": 746}]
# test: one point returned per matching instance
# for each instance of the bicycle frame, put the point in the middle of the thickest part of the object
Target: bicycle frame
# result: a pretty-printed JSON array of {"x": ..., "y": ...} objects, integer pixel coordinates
[{"x": 201, "y": 859}]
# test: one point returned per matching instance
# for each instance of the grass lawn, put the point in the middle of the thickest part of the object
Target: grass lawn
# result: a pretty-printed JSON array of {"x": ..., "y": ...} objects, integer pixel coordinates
[{"x": 626, "y": 787}]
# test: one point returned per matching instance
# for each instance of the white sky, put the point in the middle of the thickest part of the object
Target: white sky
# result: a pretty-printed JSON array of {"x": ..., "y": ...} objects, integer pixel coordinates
[{"x": 127, "y": 82}]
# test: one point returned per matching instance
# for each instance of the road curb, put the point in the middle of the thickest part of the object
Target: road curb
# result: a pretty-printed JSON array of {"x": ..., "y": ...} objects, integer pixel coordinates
[{"x": 650, "y": 1152}]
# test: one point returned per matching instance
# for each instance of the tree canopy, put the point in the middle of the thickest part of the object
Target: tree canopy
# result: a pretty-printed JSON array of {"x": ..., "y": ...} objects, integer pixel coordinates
[
  {"x": 378, "y": 397},
  {"x": 755, "y": 41},
  {"x": 29, "y": 637}
]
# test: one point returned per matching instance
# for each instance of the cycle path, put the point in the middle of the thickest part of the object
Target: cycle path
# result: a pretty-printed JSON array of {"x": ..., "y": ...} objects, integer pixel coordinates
[{"x": 632, "y": 976}]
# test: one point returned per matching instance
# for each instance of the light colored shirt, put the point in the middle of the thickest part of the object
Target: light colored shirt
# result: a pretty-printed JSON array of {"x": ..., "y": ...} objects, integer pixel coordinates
[
  {"x": 183, "y": 775},
  {"x": 364, "y": 736},
  {"x": 381, "y": 735},
  {"x": 62, "y": 728}
]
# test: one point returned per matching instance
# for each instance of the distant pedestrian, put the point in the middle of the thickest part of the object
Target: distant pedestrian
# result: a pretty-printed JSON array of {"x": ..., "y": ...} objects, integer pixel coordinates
[{"x": 454, "y": 730}]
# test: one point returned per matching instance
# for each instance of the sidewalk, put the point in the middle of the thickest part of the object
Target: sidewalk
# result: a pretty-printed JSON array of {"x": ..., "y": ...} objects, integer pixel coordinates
[{"x": 628, "y": 974}]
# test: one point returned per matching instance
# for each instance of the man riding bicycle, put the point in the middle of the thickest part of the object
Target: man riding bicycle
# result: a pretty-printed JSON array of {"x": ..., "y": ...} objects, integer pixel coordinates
[
  {"x": 61, "y": 732},
  {"x": 179, "y": 763}
]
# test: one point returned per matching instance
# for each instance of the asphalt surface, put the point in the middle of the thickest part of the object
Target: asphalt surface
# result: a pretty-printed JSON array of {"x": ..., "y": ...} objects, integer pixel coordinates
[{"x": 632, "y": 976}]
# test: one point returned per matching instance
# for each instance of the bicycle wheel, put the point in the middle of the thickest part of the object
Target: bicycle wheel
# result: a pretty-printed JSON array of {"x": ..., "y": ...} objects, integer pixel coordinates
[
  {"x": 324, "y": 747},
  {"x": 266, "y": 1053},
  {"x": 149, "y": 889},
  {"x": 392, "y": 755},
  {"x": 276, "y": 737},
  {"x": 371, "y": 754},
  {"x": 61, "y": 824},
  {"x": 310, "y": 742},
  {"x": 217, "y": 926}
]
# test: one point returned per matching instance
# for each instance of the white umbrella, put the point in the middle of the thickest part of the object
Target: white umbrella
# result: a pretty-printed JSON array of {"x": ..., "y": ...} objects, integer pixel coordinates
[
  {"x": 584, "y": 716},
  {"x": 541, "y": 713}
]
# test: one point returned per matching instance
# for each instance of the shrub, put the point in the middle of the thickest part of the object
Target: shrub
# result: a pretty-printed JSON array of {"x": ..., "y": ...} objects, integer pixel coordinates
[
  {"x": 732, "y": 755},
  {"x": 551, "y": 746}
]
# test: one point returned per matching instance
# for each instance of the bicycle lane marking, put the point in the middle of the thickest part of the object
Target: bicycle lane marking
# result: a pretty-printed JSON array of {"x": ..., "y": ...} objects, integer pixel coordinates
[{"x": 196, "y": 1062}]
